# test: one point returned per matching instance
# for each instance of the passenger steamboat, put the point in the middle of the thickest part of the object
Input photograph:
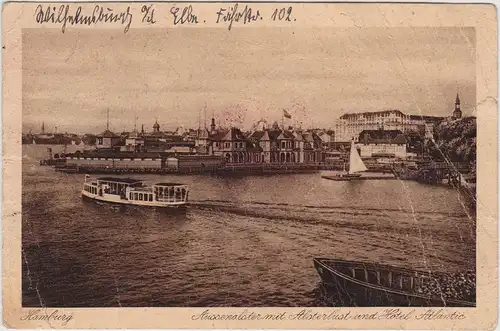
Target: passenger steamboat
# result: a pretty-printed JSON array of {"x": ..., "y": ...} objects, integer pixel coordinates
[{"x": 130, "y": 191}]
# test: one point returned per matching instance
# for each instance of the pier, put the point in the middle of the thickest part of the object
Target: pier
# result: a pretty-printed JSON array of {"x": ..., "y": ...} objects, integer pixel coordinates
[{"x": 439, "y": 172}]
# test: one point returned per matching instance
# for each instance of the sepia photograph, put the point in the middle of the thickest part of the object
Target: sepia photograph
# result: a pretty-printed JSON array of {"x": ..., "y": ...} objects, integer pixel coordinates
[{"x": 262, "y": 167}]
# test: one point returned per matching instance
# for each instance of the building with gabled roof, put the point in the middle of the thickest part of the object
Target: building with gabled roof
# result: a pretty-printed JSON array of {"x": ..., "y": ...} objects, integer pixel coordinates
[
  {"x": 288, "y": 146},
  {"x": 107, "y": 140},
  {"x": 383, "y": 143},
  {"x": 233, "y": 146}
]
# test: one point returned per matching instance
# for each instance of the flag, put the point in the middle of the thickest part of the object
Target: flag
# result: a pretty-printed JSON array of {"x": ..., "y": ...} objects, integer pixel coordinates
[{"x": 286, "y": 114}]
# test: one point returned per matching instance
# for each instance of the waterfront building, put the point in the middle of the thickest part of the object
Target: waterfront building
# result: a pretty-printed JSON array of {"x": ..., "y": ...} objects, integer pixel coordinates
[
  {"x": 382, "y": 143},
  {"x": 350, "y": 125},
  {"x": 134, "y": 143},
  {"x": 235, "y": 147},
  {"x": 288, "y": 146},
  {"x": 268, "y": 145},
  {"x": 157, "y": 141},
  {"x": 107, "y": 140}
]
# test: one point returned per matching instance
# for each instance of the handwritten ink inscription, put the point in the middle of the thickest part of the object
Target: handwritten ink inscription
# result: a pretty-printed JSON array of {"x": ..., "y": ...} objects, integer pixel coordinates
[
  {"x": 283, "y": 14},
  {"x": 232, "y": 15},
  {"x": 186, "y": 16},
  {"x": 149, "y": 14},
  {"x": 66, "y": 15},
  {"x": 63, "y": 16}
]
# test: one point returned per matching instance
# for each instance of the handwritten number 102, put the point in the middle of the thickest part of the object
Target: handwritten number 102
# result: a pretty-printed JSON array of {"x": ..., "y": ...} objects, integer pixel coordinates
[{"x": 283, "y": 14}]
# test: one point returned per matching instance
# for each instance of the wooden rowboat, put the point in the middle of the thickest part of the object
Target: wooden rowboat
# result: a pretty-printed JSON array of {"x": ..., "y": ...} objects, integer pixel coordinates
[{"x": 371, "y": 284}]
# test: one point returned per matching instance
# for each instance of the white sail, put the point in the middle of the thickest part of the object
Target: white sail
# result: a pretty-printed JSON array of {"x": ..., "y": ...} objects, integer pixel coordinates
[{"x": 355, "y": 162}]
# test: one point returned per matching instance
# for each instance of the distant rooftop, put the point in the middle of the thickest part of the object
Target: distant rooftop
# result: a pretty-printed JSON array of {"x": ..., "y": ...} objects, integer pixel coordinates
[
  {"x": 372, "y": 113},
  {"x": 107, "y": 134},
  {"x": 382, "y": 137}
]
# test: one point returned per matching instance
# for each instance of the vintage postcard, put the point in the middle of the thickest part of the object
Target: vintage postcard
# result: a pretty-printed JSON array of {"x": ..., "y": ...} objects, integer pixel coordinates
[{"x": 250, "y": 165}]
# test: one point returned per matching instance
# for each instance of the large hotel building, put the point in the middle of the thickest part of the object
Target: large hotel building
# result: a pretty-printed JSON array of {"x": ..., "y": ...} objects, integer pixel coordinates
[{"x": 349, "y": 126}]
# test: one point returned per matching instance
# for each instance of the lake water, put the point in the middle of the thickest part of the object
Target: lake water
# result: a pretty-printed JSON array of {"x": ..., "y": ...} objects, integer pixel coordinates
[{"x": 243, "y": 241}]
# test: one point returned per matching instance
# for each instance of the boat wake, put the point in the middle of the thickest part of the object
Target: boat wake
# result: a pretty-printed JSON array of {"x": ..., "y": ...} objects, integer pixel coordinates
[
  {"x": 394, "y": 222},
  {"x": 356, "y": 210}
]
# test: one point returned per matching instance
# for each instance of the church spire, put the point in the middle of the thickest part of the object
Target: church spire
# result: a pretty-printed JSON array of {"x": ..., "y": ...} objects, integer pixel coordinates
[{"x": 457, "y": 113}]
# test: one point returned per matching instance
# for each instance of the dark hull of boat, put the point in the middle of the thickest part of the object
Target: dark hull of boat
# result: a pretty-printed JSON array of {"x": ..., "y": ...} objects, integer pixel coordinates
[
  {"x": 340, "y": 179},
  {"x": 173, "y": 208},
  {"x": 350, "y": 292},
  {"x": 346, "y": 179}
]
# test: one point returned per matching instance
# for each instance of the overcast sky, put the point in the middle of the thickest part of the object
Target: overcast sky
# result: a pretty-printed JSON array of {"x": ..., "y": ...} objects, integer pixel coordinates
[{"x": 241, "y": 76}]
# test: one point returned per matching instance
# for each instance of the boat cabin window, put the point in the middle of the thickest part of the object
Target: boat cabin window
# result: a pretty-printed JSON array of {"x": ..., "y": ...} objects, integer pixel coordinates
[
  {"x": 407, "y": 283},
  {"x": 90, "y": 189},
  {"x": 397, "y": 281},
  {"x": 385, "y": 278},
  {"x": 150, "y": 197},
  {"x": 359, "y": 274},
  {"x": 372, "y": 277}
]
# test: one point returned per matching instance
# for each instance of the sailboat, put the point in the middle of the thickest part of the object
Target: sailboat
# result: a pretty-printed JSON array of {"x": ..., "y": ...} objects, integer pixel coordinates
[{"x": 356, "y": 165}]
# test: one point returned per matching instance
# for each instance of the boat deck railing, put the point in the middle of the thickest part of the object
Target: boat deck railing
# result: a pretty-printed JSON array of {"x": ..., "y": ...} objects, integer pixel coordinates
[
  {"x": 160, "y": 199},
  {"x": 141, "y": 189}
]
